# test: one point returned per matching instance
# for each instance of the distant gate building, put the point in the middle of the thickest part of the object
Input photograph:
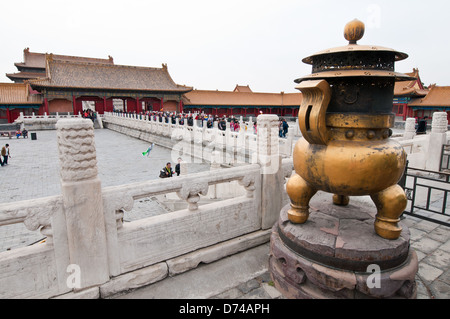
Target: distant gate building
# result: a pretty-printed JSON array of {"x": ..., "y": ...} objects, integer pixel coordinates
[
  {"x": 242, "y": 101},
  {"x": 68, "y": 84}
]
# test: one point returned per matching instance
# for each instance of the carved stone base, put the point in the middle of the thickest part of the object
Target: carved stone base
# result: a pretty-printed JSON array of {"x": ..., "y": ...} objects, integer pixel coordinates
[{"x": 337, "y": 254}]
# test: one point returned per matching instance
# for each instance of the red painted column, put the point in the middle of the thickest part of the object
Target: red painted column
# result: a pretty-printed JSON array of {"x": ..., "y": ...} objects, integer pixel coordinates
[
  {"x": 181, "y": 107},
  {"x": 138, "y": 106},
  {"x": 8, "y": 115},
  {"x": 161, "y": 108},
  {"x": 104, "y": 105},
  {"x": 46, "y": 106},
  {"x": 74, "y": 104},
  {"x": 125, "y": 106}
]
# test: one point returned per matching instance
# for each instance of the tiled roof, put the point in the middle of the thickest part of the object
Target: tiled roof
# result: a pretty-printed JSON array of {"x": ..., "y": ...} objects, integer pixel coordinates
[
  {"x": 25, "y": 75},
  {"x": 64, "y": 74},
  {"x": 38, "y": 60},
  {"x": 241, "y": 88},
  {"x": 203, "y": 97},
  {"x": 411, "y": 88},
  {"x": 17, "y": 93},
  {"x": 438, "y": 96}
]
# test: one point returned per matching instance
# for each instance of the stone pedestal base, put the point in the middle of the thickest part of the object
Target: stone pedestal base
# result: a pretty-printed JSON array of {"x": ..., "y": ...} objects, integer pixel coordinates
[{"x": 337, "y": 254}]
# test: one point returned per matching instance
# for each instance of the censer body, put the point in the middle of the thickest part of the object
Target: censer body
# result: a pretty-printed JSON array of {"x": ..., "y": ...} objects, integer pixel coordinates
[{"x": 352, "y": 168}]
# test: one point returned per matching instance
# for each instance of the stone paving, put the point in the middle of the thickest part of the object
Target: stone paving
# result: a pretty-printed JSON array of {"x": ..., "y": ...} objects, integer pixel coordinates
[{"x": 430, "y": 241}]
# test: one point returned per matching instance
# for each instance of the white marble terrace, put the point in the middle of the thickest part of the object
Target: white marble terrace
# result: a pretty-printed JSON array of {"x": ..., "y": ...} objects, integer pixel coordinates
[{"x": 90, "y": 253}]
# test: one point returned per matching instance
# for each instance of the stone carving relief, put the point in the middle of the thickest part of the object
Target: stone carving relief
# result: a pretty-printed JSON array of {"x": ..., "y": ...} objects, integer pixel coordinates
[
  {"x": 76, "y": 148},
  {"x": 38, "y": 214},
  {"x": 190, "y": 193},
  {"x": 248, "y": 182}
]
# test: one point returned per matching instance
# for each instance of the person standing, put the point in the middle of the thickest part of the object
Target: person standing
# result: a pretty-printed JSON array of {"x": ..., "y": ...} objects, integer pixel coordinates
[
  {"x": 178, "y": 166},
  {"x": 285, "y": 127},
  {"x": 422, "y": 127},
  {"x": 5, "y": 154}
]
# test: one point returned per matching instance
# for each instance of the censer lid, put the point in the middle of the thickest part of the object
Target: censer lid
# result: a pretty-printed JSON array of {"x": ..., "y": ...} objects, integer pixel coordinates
[{"x": 355, "y": 60}]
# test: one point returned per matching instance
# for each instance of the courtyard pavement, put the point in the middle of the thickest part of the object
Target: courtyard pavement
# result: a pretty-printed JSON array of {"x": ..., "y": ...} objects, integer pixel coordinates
[{"x": 33, "y": 172}]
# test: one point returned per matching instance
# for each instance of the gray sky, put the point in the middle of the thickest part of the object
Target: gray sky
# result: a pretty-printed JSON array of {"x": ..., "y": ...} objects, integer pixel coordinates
[{"x": 211, "y": 44}]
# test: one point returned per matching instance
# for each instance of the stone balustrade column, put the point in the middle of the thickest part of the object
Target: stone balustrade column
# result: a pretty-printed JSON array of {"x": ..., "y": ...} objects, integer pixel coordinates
[
  {"x": 410, "y": 128},
  {"x": 436, "y": 139},
  {"x": 250, "y": 125},
  {"x": 241, "y": 143},
  {"x": 272, "y": 179},
  {"x": 82, "y": 200}
]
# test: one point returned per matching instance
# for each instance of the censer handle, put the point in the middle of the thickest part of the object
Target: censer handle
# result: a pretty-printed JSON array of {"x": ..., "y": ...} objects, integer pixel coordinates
[{"x": 316, "y": 96}]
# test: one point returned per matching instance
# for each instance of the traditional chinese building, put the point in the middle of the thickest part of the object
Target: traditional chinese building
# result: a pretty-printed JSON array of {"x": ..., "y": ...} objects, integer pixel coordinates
[
  {"x": 436, "y": 100},
  {"x": 34, "y": 64},
  {"x": 404, "y": 92},
  {"x": 68, "y": 83},
  {"x": 242, "y": 101},
  {"x": 16, "y": 98}
]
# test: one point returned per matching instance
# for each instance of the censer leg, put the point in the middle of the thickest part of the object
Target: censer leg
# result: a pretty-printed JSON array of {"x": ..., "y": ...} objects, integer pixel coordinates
[
  {"x": 341, "y": 200},
  {"x": 390, "y": 204},
  {"x": 300, "y": 194}
]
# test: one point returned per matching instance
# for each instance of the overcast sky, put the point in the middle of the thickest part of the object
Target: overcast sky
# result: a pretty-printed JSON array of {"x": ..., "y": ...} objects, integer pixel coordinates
[{"x": 211, "y": 44}]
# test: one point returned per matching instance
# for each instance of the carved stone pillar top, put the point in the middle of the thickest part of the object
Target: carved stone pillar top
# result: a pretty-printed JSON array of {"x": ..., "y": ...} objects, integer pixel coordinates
[
  {"x": 410, "y": 124},
  {"x": 439, "y": 123},
  {"x": 76, "y": 148}
]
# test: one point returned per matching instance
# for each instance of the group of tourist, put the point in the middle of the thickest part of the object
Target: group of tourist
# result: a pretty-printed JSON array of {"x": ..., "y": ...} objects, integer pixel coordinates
[
  {"x": 170, "y": 117},
  {"x": 23, "y": 133},
  {"x": 89, "y": 114},
  {"x": 167, "y": 170},
  {"x": 283, "y": 127}
]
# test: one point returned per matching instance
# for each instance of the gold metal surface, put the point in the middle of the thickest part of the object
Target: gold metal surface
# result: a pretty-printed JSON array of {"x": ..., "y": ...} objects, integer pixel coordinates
[
  {"x": 350, "y": 167},
  {"x": 354, "y": 31},
  {"x": 300, "y": 194},
  {"x": 349, "y": 120},
  {"x": 326, "y": 75},
  {"x": 390, "y": 204},
  {"x": 316, "y": 96},
  {"x": 340, "y": 200}
]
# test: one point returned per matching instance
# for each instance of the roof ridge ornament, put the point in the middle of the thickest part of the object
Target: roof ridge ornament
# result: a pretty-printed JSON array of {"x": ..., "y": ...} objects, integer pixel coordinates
[{"x": 354, "y": 31}]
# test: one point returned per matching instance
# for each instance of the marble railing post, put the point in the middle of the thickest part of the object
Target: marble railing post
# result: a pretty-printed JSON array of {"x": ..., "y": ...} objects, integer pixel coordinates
[
  {"x": 82, "y": 201},
  {"x": 410, "y": 128},
  {"x": 436, "y": 139},
  {"x": 272, "y": 179}
]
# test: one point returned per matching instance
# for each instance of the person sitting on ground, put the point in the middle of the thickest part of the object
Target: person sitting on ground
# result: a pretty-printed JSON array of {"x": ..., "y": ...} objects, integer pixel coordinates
[{"x": 166, "y": 171}]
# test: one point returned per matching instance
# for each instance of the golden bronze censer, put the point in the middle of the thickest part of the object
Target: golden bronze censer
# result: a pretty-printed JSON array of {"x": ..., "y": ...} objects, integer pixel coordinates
[{"x": 346, "y": 119}]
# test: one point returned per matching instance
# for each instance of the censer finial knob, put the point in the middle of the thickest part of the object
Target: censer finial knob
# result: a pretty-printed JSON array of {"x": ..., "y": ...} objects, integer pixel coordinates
[{"x": 354, "y": 31}]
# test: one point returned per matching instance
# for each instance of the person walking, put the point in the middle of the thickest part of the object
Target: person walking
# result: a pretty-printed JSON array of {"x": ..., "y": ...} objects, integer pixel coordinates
[{"x": 5, "y": 154}]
